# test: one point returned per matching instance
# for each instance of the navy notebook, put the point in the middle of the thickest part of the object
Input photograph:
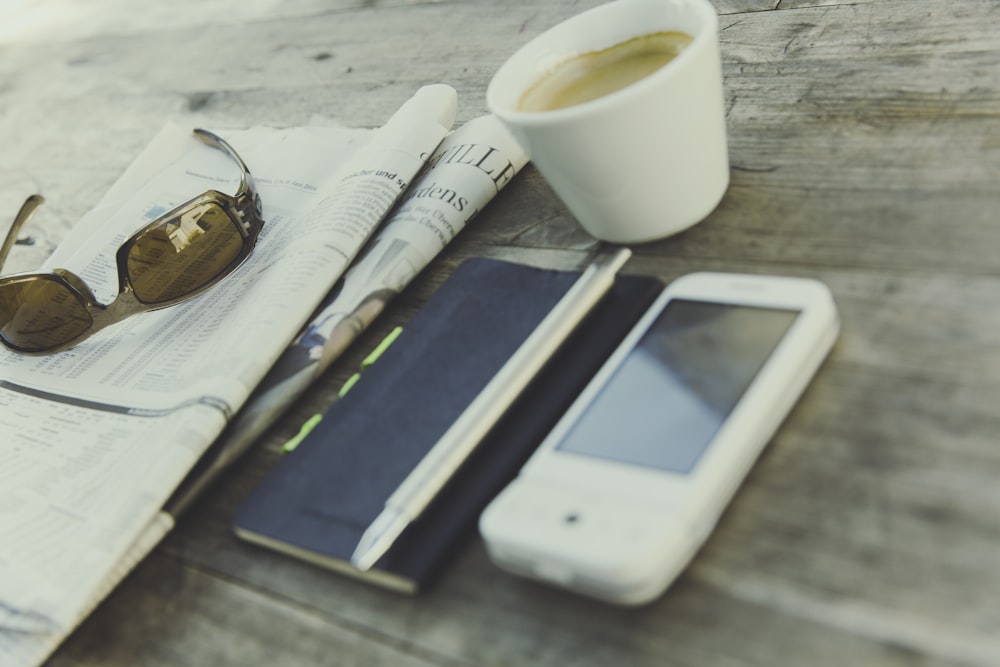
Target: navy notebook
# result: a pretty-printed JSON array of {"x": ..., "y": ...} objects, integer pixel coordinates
[{"x": 319, "y": 499}]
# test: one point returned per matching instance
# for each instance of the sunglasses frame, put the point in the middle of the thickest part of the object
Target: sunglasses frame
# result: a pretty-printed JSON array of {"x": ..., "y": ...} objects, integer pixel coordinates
[{"x": 243, "y": 208}]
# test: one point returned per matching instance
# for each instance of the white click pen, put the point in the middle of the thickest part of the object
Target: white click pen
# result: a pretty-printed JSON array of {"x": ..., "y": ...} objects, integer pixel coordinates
[{"x": 424, "y": 482}]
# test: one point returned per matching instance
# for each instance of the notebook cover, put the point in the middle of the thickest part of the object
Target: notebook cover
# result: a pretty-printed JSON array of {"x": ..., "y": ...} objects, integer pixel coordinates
[{"x": 319, "y": 499}]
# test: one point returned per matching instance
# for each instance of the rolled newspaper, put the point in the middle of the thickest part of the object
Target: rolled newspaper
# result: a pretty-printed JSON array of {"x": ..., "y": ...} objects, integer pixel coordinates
[{"x": 469, "y": 168}]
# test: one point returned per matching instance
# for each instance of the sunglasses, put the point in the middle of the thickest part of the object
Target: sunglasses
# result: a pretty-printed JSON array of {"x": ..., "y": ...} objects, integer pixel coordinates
[{"x": 177, "y": 256}]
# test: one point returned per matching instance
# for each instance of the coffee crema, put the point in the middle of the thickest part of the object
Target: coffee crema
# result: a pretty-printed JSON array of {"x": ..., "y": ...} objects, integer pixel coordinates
[{"x": 598, "y": 73}]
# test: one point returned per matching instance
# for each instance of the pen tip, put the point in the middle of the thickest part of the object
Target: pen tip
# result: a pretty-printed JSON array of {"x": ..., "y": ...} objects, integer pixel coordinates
[
  {"x": 618, "y": 260},
  {"x": 377, "y": 539}
]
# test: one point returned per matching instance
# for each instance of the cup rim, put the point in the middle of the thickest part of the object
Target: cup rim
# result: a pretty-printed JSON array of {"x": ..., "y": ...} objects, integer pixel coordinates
[{"x": 700, "y": 41}]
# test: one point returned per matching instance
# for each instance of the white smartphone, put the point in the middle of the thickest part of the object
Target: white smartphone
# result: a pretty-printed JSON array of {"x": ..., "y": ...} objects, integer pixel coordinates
[{"x": 633, "y": 478}]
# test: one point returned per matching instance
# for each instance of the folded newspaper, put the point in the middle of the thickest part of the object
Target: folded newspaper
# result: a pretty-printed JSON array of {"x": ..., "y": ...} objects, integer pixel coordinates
[
  {"x": 96, "y": 439},
  {"x": 469, "y": 168}
]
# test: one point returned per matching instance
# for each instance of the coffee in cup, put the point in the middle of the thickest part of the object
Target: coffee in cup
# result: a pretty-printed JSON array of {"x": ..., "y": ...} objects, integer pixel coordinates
[
  {"x": 597, "y": 73},
  {"x": 639, "y": 154}
]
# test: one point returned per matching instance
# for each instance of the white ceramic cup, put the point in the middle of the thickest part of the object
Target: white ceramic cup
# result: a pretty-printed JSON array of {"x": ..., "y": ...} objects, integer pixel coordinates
[{"x": 641, "y": 163}]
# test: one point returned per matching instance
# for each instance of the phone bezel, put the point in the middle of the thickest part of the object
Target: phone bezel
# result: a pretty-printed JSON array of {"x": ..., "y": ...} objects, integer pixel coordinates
[{"x": 738, "y": 441}]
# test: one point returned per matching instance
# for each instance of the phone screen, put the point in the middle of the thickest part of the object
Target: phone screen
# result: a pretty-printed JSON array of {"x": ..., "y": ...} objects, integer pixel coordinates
[{"x": 674, "y": 390}]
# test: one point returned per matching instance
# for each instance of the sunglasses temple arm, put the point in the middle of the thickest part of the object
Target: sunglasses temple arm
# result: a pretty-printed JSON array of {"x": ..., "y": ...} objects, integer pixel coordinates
[
  {"x": 247, "y": 187},
  {"x": 27, "y": 208}
]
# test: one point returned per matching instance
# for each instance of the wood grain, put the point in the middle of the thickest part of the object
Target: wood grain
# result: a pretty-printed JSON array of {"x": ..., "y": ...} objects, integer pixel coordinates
[{"x": 865, "y": 150}]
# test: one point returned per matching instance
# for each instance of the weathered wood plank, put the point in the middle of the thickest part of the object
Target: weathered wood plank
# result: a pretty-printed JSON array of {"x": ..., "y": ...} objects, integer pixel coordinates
[
  {"x": 866, "y": 152},
  {"x": 184, "y": 616},
  {"x": 696, "y": 624},
  {"x": 818, "y": 107}
]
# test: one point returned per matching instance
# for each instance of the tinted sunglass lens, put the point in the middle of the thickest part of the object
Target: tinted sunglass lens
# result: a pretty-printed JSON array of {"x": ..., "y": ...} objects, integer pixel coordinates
[
  {"x": 183, "y": 254},
  {"x": 40, "y": 313}
]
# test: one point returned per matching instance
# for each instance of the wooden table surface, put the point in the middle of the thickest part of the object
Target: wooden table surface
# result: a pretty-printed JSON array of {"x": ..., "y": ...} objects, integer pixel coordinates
[{"x": 865, "y": 148}]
